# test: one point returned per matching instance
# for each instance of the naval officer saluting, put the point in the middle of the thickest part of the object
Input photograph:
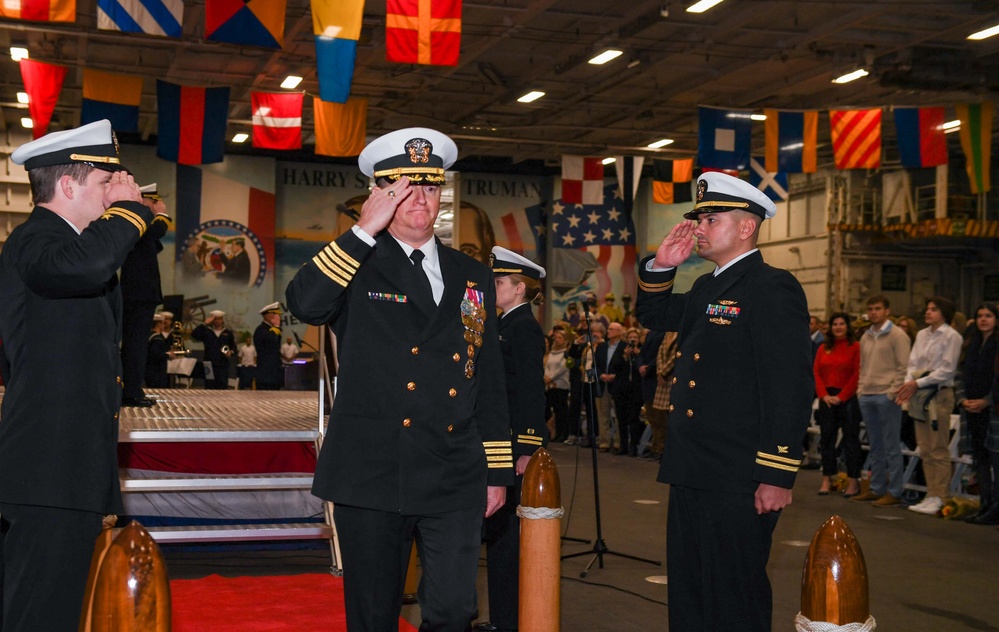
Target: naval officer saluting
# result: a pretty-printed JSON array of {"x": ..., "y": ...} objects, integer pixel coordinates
[
  {"x": 60, "y": 323},
  {"x": 730, "y": 460},
  {"x": 419, "y": 437}
]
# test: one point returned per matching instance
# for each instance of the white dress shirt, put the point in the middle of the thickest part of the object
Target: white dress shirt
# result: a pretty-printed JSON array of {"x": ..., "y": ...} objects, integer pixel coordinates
[
  {"x": 934, "y": 357},
  {"x": 431, "y": 260}
]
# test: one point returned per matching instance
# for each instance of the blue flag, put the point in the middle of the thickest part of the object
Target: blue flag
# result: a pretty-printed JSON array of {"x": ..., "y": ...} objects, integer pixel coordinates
[
  {"x": 774, "y": 185},
  {"x": 724, "y": 138}
]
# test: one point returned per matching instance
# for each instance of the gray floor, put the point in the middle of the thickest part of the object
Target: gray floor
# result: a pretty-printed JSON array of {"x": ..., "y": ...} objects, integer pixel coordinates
[{"x": 926, "y": 574}]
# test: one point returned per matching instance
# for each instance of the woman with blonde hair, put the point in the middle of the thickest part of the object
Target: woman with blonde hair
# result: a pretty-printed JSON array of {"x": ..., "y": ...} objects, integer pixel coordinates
[{"x": 518, "y": 285}]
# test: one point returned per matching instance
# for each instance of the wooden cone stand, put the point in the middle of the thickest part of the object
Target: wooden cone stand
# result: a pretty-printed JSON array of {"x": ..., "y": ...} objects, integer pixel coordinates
[
  {"x": 540, "y": 514},
  {"x": 834, "y": 586},
  {"x": 131, "y": 592}
]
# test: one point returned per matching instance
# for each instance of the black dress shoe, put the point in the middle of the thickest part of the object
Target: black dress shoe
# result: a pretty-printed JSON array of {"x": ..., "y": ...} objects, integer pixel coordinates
[
  {"x": 138, "y": 402},
  {"x": 989, "y": 517},
  {"x": 486, "y": 626}
]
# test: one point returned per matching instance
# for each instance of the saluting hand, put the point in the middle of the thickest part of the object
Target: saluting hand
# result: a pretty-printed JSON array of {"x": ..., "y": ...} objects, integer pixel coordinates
[
  {"x": 121, "y": 187},
  {"x": 677, "y": 246},
  {"x": 380, "y": 207}
]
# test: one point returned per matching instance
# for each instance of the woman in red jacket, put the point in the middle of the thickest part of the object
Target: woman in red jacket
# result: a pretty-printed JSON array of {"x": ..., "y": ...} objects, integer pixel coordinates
[{"x": 837, "y": 368}]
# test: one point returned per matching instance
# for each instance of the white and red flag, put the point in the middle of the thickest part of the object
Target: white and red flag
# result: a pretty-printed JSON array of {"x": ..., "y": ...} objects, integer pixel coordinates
[{"x": 277, "y": 120}]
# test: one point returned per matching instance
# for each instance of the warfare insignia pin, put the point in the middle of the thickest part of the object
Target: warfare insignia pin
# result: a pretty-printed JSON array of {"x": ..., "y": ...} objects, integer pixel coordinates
[
  {"x": 782, "y": 449},
  {"x": 720, "y": 321}
]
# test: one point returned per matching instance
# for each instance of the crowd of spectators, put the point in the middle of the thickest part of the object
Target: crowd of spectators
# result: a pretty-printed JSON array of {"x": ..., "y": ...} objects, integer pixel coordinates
[
  {"x": 879, "y": 376},
  {"x": 905, "y": 382}
]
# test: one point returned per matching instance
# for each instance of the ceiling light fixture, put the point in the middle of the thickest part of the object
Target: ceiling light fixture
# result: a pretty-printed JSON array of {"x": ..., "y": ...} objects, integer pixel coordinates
[
  {"x": 26, "y": 122},
  {"x": 17, "y": 53},
  {"x": 531, "y": 96},
  {"x": 951, "y": 126},
  {"x": 608, "y": 161},
  {"x": 660, "y": 143},
  {"x": 850, "y": 76},
  {"x": 22, "y": 97},
  {"x": 291, "y": 82},
  {"x": 987, "y": 33},
  {"x": 758, "y": 117},
  {"x": 702, "y": 6},
  {"x": 605, "y": 57},
  {"x": 240, "y": 137}
]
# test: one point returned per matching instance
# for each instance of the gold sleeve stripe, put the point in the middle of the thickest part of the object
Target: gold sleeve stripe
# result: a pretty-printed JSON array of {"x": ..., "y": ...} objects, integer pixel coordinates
[
  {"x": 779, "y": 459},
  {"x": 508, "y": 464},
  {"x": 776, "y": 465},
  {"x": 322, "y": 268},
  {"x": 124, "y": 213},
  {"x": 350, "y": 261},
  {"x": 531, "y": 440},
  {"x": 496, "y": 444},
  {"x": 335, "y": 266},
  {"x": 338, "y": 262},
  {"x": 499, "y": 457},
  {"x": 655, "y": 287},
  {"x": 499, "y": 450}
]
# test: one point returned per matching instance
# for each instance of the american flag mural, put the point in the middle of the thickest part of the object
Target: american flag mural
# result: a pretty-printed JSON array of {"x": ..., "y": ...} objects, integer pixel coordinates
[{"x": 606, "y": 232}]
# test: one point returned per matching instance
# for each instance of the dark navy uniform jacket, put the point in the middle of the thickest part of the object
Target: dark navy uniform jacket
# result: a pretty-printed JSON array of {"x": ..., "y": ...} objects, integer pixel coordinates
[
  {"x": 140, "y": 274},
  {"x": 742, "y": 386},
  {"x": 267, "y": 341},
  {"x": 409, "y": 432},
  {"x": 523, "y": 345},
  {"x": 60, "y": 323}
]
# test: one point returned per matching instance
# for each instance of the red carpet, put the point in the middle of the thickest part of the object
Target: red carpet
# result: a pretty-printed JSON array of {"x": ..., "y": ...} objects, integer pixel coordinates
[{"x": 261, "y": 604}]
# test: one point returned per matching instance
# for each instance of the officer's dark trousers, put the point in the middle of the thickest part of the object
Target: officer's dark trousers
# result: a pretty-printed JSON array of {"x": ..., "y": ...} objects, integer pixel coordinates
[
  {"x": 376, "y": 547},
  {"x": 502, "y": 536},
  {"x": 44, "y": 560},
  {"x": 136, "y": 321},
  {"x": 716, "y": 559}
]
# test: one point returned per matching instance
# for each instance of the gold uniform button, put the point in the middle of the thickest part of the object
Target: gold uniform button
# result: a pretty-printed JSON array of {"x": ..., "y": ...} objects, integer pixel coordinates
[
  {"x": 674, "y": 379},
  {"x": 690, "y": 413},
  {"x": 678, "y": 354},
  {"x": 414, "y": 350},
  {"x": 671, "y": 407},
  {"x": 452, "y": 392},
  {"x": 407, "y": 422},
  {"x": 118, "y": 379},
  {"x": 692, "y": 384},
  {"x": 116, "y": 415},
  {"x": 697, "y": 357},
  {"x": 450, "y": 428},
  {"x": 411, "y": 386},
  {"x": 456, "y": 357}
]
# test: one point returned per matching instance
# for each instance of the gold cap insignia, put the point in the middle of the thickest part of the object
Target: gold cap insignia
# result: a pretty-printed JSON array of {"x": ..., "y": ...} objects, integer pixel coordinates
[{"x": 419, "y": 150}]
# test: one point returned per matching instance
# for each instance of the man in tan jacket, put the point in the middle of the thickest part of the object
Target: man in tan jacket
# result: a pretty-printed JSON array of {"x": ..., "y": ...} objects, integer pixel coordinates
[{"x": 884, "y": 354}]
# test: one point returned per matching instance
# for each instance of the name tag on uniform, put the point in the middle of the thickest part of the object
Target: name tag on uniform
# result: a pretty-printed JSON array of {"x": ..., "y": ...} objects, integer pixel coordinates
[{"x": 392, "y": 298}]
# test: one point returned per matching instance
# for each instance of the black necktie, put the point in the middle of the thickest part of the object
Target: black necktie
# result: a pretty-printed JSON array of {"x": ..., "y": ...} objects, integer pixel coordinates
[{"x": 417, "y": 256}]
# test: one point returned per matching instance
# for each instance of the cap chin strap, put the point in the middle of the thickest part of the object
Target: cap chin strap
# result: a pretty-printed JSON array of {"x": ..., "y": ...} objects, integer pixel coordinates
[
  {"x": 422, "y": 175},
  {"x": 88, "y": 158}
]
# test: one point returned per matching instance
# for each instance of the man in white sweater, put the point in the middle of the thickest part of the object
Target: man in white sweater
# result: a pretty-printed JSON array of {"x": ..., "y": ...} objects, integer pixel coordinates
[
  {"x": 884, "y": 355},
  {"x": 929, "y": 389}
]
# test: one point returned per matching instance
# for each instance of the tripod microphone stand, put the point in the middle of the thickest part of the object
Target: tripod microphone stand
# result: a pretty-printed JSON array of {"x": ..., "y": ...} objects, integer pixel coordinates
[{"x": 600, "y": 547}]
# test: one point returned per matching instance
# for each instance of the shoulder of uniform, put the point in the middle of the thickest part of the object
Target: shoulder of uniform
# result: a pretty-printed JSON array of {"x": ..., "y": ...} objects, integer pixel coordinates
[{"x": 275, "y": 330}]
